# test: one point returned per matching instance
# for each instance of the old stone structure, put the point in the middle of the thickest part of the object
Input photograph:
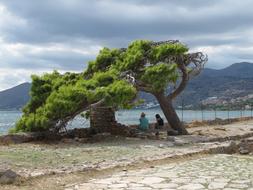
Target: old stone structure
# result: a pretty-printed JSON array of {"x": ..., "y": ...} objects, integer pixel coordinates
[{"x": 102, "y": 120}]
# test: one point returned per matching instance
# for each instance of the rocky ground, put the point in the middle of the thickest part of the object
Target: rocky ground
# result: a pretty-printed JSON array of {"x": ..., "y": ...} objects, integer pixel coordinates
[
  {"x": 213, "y": 172},
  {"x": 72, "y": 165}
]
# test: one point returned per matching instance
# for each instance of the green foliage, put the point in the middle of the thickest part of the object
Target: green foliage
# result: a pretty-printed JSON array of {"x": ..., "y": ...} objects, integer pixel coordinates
[
  {"x": 59, "y": 104},
  {"x": 104, "y": 78},
  {"x": 55, "y": 97},
  {"x": 69, "y": 98},
  {"x": 105, "y": 59},
  {"x": 63, "y": 102},
  {"x": 44, "y": 85},
  {"x": 12, "y": 131},
  {"x": 135, "y": 55},
  {"x": 158, "y": 76},
  {"x": 159, "y": 53},
  {"x": 119, "y": 93}
]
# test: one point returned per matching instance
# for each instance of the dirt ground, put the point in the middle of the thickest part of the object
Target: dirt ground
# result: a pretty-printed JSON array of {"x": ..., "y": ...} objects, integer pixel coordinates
[{"x": 53, "y": 166}]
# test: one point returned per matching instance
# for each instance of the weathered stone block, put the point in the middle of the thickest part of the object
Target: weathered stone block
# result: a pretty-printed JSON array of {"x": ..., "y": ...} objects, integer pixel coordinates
[{"x": 8, "y": 177}]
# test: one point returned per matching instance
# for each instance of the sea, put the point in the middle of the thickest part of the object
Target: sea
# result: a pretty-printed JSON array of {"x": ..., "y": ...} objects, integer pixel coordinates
[{"x": 128, "y": 117}]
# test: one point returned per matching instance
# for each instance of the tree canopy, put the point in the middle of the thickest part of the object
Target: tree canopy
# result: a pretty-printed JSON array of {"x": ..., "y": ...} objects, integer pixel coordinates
[
  {"x": 113, "y": 79},
  {"x": 55, "y": 98}
]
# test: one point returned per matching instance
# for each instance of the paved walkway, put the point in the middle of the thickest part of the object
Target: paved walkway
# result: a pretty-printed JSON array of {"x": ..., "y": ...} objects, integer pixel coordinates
[{"x": 215, "y": 172}]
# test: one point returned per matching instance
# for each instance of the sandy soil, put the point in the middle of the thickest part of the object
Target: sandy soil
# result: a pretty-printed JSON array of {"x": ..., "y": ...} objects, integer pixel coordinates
[{"x": 57, "y": 165}]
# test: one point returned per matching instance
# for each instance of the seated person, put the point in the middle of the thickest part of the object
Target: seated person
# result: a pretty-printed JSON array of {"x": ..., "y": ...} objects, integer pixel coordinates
[
  {"x": 144, "y": 124},
  {"x": 159, "y": 123}
]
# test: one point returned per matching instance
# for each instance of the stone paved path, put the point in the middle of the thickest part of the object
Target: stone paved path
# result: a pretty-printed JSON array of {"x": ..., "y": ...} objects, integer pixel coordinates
[{"x": 215, "y": 172}]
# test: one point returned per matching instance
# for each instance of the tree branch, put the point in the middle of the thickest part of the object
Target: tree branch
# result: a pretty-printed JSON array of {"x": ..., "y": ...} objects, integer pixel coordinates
[
  {"x": 62, "y": 123},
  {"x": 198, "y": 60},
  {"x": 99, "y": 103},
  {"x": 184, "y": 80}
]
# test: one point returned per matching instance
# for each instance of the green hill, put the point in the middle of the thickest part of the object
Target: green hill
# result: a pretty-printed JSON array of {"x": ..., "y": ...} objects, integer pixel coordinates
[{"x": 15, "y": 98}]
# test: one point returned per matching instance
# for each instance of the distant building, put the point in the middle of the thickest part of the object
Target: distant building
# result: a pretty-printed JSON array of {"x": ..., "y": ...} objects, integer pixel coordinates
[{"x": 247, "y": 107}]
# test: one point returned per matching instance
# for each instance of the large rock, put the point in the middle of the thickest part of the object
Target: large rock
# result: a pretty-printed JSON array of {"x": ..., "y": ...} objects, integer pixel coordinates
[
  {"x": 101, "y": 136},
  {"x": 8, "y": 177},
  {"x": 246, "y": 146},
  {"x": 15, "y": 138},
  {"x": 29, "y": 137}
]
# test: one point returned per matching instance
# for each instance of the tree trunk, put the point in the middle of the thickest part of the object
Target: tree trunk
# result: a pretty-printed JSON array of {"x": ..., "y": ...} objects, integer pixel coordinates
[{"x": 170, "y": 113}]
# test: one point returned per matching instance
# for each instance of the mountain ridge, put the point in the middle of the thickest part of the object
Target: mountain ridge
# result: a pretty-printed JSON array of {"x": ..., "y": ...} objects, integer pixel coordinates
[
  {"x": 231, "y": 82},
  {"x": 15, "y": 97}
]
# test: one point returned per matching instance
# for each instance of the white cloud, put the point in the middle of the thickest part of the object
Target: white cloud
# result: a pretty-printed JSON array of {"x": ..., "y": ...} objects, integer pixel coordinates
[
  {"x": 9, "y": 77},
  {"x": 42, "y": 35}
]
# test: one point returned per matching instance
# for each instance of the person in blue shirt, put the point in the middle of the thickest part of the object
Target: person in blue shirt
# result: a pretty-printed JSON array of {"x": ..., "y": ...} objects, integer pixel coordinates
[{"x": 144, "y": 124}]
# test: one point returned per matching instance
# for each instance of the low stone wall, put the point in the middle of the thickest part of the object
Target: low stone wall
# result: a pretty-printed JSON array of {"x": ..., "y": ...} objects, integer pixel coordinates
[
  {"x": 107, "y": 127},
  {"x": 216, "y": 121},
  {"x": 77, "y": 134}
]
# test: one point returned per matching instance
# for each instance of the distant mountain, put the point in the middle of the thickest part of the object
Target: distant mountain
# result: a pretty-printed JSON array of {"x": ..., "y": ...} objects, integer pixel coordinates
[
  {"x": 225, "y": 84},
  {"x": 228, "y": 83},
  {"x": 16, "y": 97},
  {"x": 239, "y": 70}
]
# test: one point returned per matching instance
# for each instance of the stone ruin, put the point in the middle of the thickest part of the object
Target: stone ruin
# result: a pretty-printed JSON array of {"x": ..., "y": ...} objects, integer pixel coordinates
[{"x": 102, "y": 120}]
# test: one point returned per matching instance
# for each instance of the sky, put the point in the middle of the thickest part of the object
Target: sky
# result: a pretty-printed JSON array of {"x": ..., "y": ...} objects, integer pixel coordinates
[{"x": 38, "y": 36}]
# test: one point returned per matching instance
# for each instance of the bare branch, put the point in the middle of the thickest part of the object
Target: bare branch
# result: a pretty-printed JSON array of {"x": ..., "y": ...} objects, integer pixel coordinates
[
  {"x": 198, "y": 60},
  {"x": 97, "y": 104},
  {"x": 130, "y": 77},
  {"x": 184, "y": 79}
]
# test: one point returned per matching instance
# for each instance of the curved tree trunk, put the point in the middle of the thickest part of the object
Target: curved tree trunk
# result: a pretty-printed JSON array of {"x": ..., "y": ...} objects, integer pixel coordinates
[{"x": 170, "y": 113}]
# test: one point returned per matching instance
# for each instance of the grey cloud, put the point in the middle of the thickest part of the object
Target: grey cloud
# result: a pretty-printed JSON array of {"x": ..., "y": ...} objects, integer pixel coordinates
[
  {"x": 58, "y": 20},
  {"x": 61, "y": 60},
  {"x": 82, "y": 24}
]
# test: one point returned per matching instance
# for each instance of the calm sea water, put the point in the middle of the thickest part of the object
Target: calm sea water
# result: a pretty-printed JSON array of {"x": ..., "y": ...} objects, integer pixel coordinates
[{"x": 9, "y": 118}]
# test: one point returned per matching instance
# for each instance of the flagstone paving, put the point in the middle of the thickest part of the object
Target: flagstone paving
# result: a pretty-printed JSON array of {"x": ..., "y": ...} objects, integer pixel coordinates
[{"x": 228, "y": 172}]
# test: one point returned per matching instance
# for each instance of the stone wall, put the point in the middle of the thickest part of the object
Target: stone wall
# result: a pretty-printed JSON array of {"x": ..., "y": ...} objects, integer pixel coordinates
[{"x": 102, "y": 120}]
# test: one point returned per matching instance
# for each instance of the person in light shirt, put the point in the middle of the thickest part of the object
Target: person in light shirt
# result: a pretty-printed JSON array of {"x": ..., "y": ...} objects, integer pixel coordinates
[{"x": 144, "y": 123}]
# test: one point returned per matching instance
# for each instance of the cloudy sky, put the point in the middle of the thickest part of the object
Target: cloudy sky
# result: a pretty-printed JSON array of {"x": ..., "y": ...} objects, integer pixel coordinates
[{"x": 39, "y": 36}]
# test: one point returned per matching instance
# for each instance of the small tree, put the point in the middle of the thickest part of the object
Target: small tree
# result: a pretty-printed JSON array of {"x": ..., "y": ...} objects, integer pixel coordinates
[
  {"x": 162, "y": 69},
  {"x": 113, "y": 79}
]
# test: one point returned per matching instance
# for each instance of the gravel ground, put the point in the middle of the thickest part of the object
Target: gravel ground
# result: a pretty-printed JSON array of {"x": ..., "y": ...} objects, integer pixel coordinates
[
  {"x": 216, "y": 172},
  {"x": 60, "y": 163}
]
